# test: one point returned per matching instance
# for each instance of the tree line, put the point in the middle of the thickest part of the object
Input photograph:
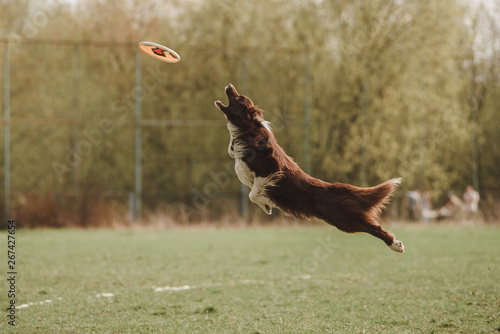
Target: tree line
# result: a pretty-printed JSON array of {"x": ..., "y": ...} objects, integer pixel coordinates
[{"x": 357, "y": 91}]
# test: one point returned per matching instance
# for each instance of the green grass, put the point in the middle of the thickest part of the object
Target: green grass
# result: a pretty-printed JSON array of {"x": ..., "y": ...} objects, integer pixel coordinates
[{"x": 259, "y": 280}]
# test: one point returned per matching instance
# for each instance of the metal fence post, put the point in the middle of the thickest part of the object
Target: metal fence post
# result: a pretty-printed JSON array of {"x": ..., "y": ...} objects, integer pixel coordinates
[
  {"x": 307, "y": 115},
  {"x": 6, "y": 116},
  {"x": 76, "y": 112},
  {"x": 138, "y": 153},
  {"x": 364, "y": 112},
  {"x": 131, "y": 207},
  {"x": 244, "y": 188}
]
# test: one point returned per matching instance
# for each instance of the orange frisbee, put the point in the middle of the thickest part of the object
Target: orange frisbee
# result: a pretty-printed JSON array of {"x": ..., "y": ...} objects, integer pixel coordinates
[{"x": 159, "y": 52}]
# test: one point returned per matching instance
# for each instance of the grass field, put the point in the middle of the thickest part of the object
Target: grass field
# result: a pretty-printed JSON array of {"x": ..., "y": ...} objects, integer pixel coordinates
[{"x": 256, "y": 280}]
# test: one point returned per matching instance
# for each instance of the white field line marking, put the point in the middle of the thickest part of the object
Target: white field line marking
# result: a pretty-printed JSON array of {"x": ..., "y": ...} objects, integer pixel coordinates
[
  {"x": 47, "y": 301},
  {"x": 167, "y": 288},
  {"x": 104, "y": 294},
  {"x": 173, "y": 288},
  {"x": 229, "y": 283}
]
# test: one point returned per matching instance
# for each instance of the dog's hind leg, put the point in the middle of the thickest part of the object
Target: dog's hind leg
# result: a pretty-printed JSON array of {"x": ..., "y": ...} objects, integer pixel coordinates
[
  {"x": 356, "y": 209},
  {"x": 356, "y": 224},
  {"x": 389, "y": 238},
  {"x": 258, "y": 193}
]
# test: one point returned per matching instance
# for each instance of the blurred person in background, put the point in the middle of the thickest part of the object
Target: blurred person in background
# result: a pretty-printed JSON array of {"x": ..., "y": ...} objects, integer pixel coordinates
[
  {"x": 427, "y": 211},
  {"x": 471, "y": 200},
  {"x": 452, "y": 209},
  {"x": 413, "y": 205}
]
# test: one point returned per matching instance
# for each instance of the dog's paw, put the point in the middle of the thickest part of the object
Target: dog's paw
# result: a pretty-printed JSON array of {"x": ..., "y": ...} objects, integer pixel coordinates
[{"x": 397, "y": 246}]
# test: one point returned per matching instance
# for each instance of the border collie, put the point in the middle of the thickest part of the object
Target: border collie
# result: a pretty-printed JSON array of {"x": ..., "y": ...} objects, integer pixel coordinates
[{"x": 277, "y": 181}]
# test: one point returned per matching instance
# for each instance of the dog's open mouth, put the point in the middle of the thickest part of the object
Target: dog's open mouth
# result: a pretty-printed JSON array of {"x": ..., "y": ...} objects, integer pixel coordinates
[
  {"x": 219, "y": 105},
  {"x": 231, "y": 93}
]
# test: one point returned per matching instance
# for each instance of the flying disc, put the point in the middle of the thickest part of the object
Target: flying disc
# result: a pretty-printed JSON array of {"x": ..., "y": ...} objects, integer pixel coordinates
[{"x": 159, "y": 52}]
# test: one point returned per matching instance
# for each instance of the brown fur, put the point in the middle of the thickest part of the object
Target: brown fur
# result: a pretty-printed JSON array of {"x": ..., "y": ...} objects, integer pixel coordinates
[{"x": 349, "y": 208}]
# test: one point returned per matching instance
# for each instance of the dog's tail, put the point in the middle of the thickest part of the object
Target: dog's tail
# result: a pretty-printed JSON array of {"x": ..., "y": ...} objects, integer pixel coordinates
[
  {"x": 353, "y": 209},
  {"x": 375, "y": 198}
]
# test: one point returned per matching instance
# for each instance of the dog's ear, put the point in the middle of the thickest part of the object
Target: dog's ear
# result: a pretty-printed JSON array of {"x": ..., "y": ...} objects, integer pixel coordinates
[{"x": 255, "y": 112}]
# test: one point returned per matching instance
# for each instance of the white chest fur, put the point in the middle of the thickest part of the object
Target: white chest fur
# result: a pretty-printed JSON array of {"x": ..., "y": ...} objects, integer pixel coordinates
[
  {"x": 244, "y": 173},
  {"x": 246, "y": 176}
]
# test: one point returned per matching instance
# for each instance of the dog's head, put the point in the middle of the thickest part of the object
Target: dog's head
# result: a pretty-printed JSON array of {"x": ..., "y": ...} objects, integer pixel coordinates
[{"x": 240, "y": 110}]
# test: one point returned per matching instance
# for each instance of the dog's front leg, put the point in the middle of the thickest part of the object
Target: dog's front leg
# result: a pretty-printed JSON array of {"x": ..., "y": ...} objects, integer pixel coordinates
[{"x": 258, "y": 194}]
